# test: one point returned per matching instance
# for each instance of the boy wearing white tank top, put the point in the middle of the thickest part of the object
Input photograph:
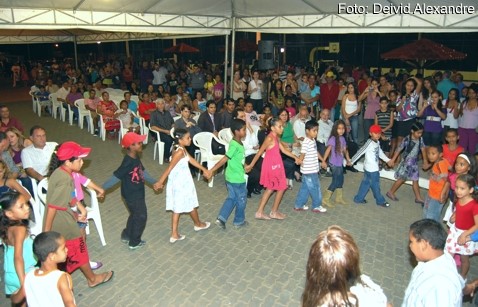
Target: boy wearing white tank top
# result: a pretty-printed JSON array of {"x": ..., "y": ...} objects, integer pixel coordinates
[{"x": 48, "y": 286}]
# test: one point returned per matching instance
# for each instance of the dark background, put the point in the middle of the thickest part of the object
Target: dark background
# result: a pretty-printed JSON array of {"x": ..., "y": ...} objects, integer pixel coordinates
[{"x": 356, "y": 49}]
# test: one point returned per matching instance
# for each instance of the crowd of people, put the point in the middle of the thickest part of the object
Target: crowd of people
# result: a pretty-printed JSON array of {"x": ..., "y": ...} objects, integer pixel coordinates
[{"x": 284, "y": 127}]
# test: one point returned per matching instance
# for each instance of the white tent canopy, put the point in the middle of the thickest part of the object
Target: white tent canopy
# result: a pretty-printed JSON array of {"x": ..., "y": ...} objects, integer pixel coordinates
[{"x": 88, "y": 20}]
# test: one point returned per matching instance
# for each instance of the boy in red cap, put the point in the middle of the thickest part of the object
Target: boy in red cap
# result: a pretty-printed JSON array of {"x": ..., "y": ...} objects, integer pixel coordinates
[
  {"x": 371, "y": 178},
  {"x": 61, "y": 199},
  {"x": 132, "y": 175}
]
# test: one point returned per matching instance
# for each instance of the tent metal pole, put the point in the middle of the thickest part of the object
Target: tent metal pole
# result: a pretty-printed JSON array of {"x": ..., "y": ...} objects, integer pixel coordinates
[
  {"x": 225, "y": 66},
  {"x": 233, "y": 51},
  {"x": 76, "y": 51}
]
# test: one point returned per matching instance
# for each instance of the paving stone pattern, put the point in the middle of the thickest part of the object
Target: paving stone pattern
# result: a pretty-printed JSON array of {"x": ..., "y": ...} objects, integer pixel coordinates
[{"x": 262, "y": 264}]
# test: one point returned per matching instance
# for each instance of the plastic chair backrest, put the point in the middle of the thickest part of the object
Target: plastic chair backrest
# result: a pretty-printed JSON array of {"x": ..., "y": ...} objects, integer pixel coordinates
[{"x": 225, "y": 135}]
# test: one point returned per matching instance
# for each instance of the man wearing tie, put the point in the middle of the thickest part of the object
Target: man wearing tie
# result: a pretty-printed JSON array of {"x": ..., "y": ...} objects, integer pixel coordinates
[{"x": 210, "y": 121}]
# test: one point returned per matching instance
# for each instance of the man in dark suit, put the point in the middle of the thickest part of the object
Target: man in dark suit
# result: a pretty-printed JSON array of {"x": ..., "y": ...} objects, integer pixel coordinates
[{"x": 210, "y": 121}]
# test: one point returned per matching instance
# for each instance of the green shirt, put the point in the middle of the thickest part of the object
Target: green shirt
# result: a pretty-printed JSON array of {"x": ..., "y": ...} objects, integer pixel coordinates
[
  {"x": 288, "y": 134},
  {"x": 235, "y": 172}
]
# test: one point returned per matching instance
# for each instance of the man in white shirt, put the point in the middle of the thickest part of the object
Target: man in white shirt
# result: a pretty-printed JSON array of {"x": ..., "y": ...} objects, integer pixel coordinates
[
  {"x": 36, "y": 157},
  {"x": 63, "y": 92},
  {"x": 159, "y": 76},
  {"x": 435, "y": 280}
]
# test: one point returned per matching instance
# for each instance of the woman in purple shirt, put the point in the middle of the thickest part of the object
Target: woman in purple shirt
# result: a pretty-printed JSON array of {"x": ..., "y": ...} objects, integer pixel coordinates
[
  {"x": 468, "y": 120},
  {"x": 372, "y": 106},
  {"x": 433, "y": 115}
]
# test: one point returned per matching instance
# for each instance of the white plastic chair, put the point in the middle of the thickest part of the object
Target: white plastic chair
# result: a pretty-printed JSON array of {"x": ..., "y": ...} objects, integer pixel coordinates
[
  {"x": 82, "y": 113},
  {"x": 203, "y": 141},
  {"x": 158, "y": 146},
  {"x": 34, "y": 104},
  {"x": 226, "y": 136},
  {"x": 55, "y": 105},
  {"x": 102, "y": 128},
  {"x": 94, "y": 214},
  {"x": 93, "y": 209},
  {"x": 144, "y": 129},
  {"x": 70, "y": 115}
]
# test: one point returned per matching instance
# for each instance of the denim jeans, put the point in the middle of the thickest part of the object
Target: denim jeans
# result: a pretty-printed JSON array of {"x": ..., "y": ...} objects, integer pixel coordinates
[
  {"x": 236, "y": 197},
  {"x": 432, "y": 209},
  {"x": 138, "y": 215},
  {"x": 337, "y": 178},
  {"x": 371, "y": 180},
  {"x": 354, "y": 127},
  {"x": 310, "y": 186}
]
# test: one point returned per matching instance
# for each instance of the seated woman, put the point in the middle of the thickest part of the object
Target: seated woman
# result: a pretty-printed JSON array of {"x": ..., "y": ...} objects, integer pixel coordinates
[
  {"x": 199, "y": 104},
  {"x": 17, "y": 143},
  {"x": 333, "y": 276},
  {"x": 108, "y": 108},
  {"x": 146, "y": 107}
]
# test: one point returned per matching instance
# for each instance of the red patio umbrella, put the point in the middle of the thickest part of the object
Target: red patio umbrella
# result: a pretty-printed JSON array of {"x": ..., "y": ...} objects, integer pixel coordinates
[
  {"x": 181, "y": 48},
  {"x": 423, "y": 50}
]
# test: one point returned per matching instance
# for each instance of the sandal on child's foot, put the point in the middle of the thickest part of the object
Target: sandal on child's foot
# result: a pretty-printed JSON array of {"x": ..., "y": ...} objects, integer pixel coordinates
[
  {"x": 180, "y": 238},
  {"x": 391, "y": 196},
  {"x": 261, "y": 216},
  {"x": 277, "y": 215}
]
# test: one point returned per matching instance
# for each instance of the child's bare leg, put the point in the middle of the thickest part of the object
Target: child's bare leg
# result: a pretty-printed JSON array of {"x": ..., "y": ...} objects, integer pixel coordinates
[
  {"x": 277, "y": 200},
  {"x": 195, "y": 217},
  {"x": 92, "y": 278},
  {"x": 465, "y": 265},
  {"x": 416, "y": 190},
  {"x": 264, "y": 199},
  {"x": 174, "y": 225},
  {"x": 395, "y": 186}
]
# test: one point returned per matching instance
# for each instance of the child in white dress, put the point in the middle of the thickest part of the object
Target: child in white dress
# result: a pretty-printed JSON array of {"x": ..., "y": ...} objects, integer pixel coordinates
[
  {"x": 126, "y": 117},
  {"x": 181, "y": 196}
]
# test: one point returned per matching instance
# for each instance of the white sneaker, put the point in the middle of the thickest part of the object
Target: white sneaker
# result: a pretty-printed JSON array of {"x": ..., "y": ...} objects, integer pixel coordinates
[{"x": 319, "y": 209}]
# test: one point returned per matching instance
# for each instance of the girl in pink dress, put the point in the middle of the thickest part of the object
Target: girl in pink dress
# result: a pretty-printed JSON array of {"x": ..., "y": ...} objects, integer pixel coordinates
[{"x": 272, "y": 171}]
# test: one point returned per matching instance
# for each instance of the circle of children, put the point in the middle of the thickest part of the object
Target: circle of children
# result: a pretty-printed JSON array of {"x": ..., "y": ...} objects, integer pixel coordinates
[{"x": 402, "y": 127}]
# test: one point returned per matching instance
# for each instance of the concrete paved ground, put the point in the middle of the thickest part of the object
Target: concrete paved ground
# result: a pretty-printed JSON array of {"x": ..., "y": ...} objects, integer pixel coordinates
[{"x": 261, "y": 265}]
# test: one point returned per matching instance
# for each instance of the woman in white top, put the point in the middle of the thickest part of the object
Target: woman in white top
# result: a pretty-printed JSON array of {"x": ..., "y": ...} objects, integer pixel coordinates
[
  {"x": 238, "y": 86},
  {"x": 452, "y": 109},
  {"x": 333, "y": 276},
  {"x": 255, "y": 92},
  {"x": 351, "y": 107}
]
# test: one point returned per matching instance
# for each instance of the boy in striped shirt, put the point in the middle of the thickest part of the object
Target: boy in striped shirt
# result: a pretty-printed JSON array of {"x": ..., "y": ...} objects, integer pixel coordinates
[
  {"x": 309, "y": 156},
  {"x": 371, "y": 174}
]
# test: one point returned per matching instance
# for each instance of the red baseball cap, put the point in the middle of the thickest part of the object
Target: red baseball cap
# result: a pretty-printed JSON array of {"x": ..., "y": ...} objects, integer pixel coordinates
[
  {"x": 375, "y": 129},
  {"x": 131, "y": 138},
  {"x": 70, "y": 150}
]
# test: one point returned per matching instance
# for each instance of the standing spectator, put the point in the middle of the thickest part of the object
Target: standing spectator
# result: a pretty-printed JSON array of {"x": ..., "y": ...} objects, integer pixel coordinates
[
  {"x": 6, "y": 121},
  {"x": 218, "y": 92},
  {"x": 364, "y": 82},
  {"x": 162, "y": 121},
  {"x": 196, "y": 79},
  {"x": 329, "y": 93},
  {"x": 351, "y": 106},
  {"x": 145, "y": 77},
  {"x": 435, "y": 280},
  {"x": 468, "y": 121},
  {"x": 239, "y": 86},
  {"x": 255, "y": 92},
  {"x": 445, "y": 85},
  {"x": 310, "y": 94},
  {"x": 159, "y": 76},
  {"x": 373, "y": 105},
  {"x": 127, "y": 74}
]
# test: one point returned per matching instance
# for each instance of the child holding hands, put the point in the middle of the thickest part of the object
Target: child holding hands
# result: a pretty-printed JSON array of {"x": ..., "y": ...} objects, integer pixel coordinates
[
  {"x": 181, "y": 194},
  {"x": 371, "y": 178},
  {"x": 235, "y": 178},
  {"x": 272, "y": 171},
  {"x": 309, "y": 168}
]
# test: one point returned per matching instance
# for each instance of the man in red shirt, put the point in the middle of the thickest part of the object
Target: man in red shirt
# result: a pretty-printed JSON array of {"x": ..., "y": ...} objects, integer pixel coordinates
[
  {"x": 329, "y": 93},
  {"x": 364, "y": 82}
]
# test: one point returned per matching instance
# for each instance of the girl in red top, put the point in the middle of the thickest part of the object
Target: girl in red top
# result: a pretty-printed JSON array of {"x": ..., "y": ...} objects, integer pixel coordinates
[
  {"x": 466, "y": 221},
  {"x": 451, "y": 149}
]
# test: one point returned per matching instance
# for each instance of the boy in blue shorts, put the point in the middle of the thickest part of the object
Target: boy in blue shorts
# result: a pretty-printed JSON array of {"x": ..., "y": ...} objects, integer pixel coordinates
[{"x": 235, "y": 178}]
